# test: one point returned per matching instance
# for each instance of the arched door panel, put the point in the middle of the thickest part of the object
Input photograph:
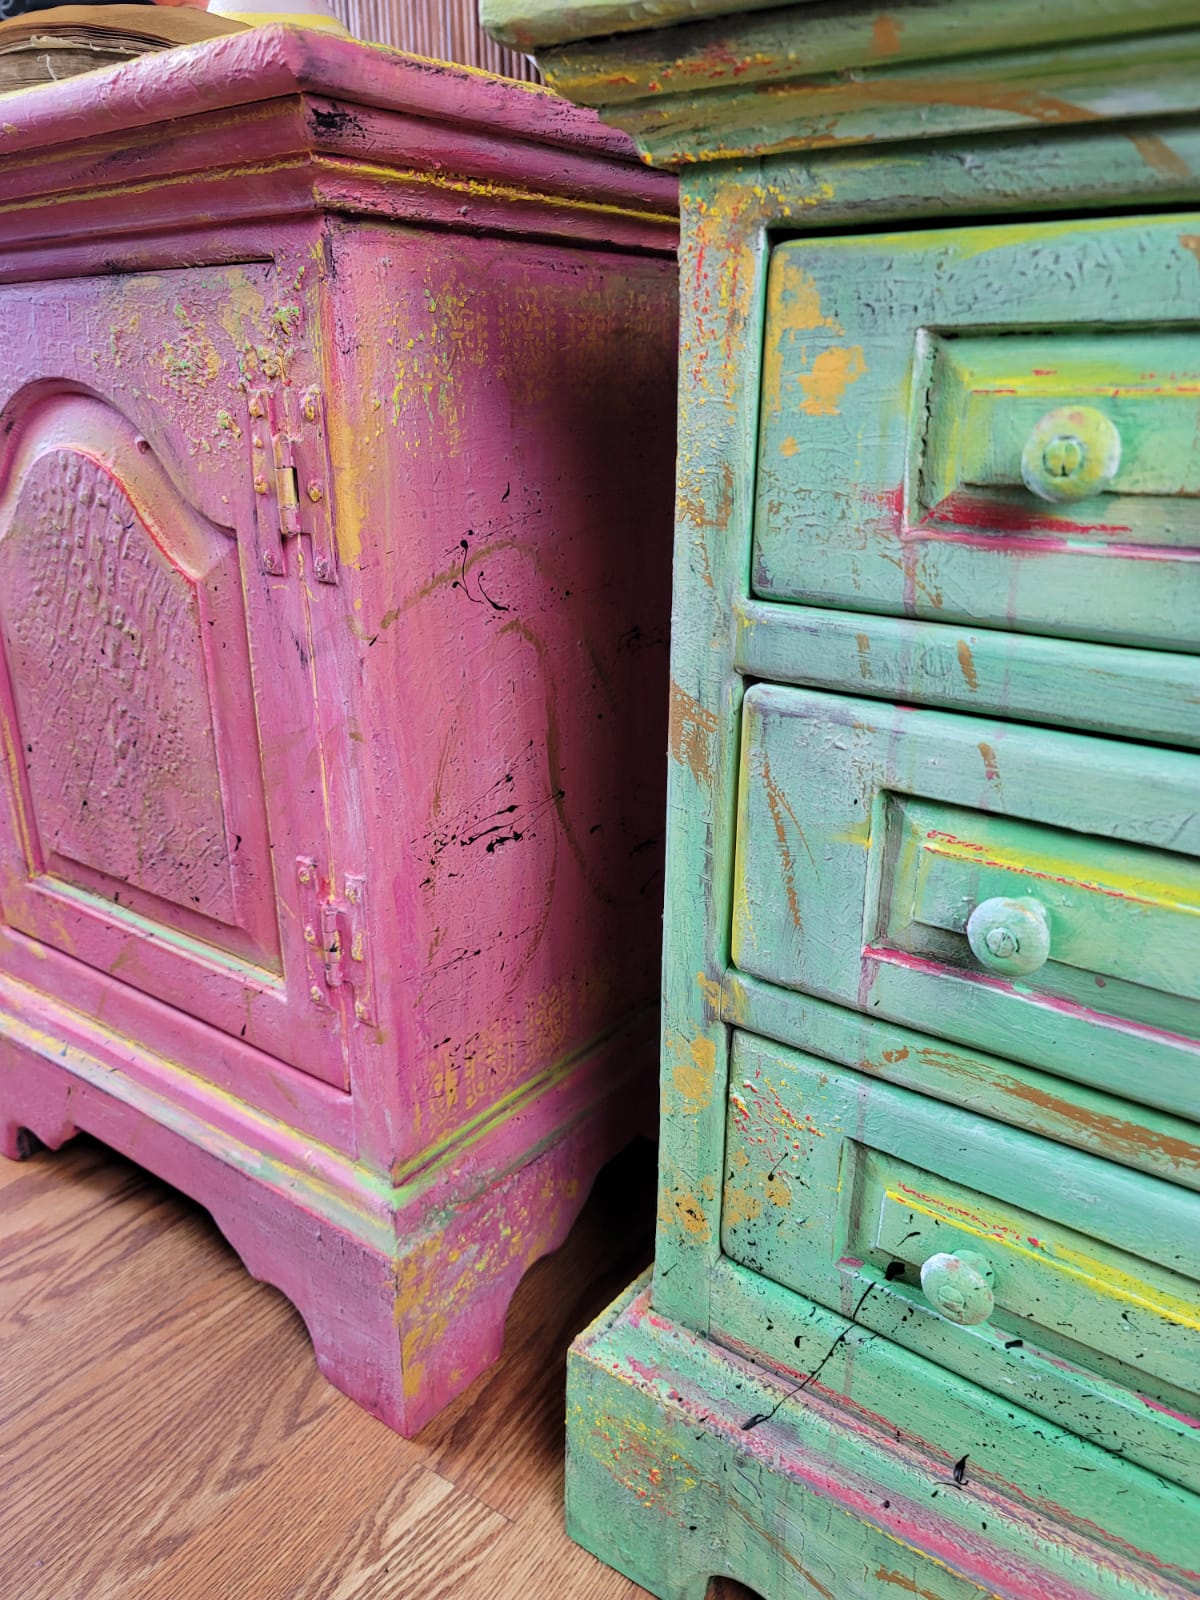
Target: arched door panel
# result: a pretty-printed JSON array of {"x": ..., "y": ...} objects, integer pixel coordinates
[{"x": 162, "y": 751}]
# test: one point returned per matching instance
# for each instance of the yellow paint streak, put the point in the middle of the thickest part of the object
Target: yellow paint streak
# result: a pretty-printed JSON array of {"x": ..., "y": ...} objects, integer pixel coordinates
[
  {"x": 512, "y": 1054},
  {"x": 859, "y": 835},
  {"x": 1060, "y": 869},
  {"x": 733, "y": 1007},
  {"x": 243, "y": 309},
  {"x": 694, "y": 1075},
  {"x": 15, "y": 762},
  {"x": 1098, "y": 1277},
  {"x": 788, "y": 447},
  {"x": 710, "y": 993}
]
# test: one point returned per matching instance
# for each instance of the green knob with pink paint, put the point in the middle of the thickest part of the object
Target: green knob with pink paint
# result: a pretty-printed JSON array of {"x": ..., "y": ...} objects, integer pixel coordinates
[
  {"x": 1010, "y": 935},
  {"x": 1071, "y": 454},
  {"x": 959, "y": 1286}
]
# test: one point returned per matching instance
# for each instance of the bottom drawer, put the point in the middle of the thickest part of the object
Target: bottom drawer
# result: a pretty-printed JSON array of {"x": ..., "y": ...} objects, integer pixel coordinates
[{"x": 1039, "y": 1272}]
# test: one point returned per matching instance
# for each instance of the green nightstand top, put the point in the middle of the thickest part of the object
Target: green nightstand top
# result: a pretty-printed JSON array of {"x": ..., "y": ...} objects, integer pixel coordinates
[{"x": 702, "y": 80}]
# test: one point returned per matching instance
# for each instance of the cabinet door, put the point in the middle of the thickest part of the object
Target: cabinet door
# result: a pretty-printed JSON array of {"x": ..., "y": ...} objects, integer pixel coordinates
[{"x": 163, "y": 792}]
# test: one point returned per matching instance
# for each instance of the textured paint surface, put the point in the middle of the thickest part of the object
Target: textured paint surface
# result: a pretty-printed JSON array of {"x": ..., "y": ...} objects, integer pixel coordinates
[
  {"x": 334, "y": 553},
  {"x": 937, "y": 522},
  {"x": 803, "y": 1500},
  {"x": 869, "y": 833},
  {"x": 833, "y": 1197},
  {"x": 874, "y": 321},
  {"x": 849, "y": 74}
]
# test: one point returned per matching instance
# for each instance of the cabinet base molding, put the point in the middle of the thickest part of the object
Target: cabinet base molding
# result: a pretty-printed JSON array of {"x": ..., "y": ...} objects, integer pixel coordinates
[
  {"x": 687, "y": 1463},
  {"x": 403, "y": 1286}
]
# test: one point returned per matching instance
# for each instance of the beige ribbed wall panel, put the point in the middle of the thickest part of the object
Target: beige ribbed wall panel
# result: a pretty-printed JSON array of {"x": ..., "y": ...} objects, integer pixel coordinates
[{"x": 447, "y": 30}]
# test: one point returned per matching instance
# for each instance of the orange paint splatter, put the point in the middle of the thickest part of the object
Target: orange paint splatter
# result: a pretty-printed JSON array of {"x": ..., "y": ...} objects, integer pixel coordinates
[
  {"x": 1159, "y": 156},
  {"x": 832, "y": 374},
  {"x": 967, "y": 663},
  {"x": 885, "y": 35},
  {"x": 692, "y": 727}
]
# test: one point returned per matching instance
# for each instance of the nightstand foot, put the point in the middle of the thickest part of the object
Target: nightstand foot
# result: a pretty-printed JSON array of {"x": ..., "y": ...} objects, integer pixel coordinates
[
  {"x": 405, "y": 1284},
  {"x": 667, "y": 1483}
]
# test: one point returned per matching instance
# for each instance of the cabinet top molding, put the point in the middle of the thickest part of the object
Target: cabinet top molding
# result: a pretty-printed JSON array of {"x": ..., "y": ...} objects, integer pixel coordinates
[
  {"x": 702, "y": 80},
  {"x": 282, "y": 119}
]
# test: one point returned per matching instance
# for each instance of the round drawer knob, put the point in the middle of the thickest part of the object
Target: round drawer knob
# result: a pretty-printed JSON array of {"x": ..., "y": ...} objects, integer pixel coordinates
[
  {"x": 1071, "y": 454},
  {"x": 959, "y": 1286},
  {"x": 1010, "y": 936}
]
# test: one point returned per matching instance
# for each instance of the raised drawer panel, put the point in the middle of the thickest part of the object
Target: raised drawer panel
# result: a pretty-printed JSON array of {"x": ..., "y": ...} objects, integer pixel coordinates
[
  {"x": 995, "y": 425},
  {"x": 1032, "y": 892},
  {"x": 1041, "y": 1273}
]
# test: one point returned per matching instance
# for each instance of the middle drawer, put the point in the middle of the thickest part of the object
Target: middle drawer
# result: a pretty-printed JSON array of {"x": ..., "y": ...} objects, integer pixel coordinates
[{"x": 1029, "y": 891}]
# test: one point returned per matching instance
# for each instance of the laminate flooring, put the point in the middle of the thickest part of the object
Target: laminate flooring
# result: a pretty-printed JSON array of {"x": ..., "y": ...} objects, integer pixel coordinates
[{"x": 165, "y": 1433}]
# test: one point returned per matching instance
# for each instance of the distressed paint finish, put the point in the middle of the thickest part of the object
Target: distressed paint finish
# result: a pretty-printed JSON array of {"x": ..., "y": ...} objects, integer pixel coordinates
[
  {"x": 874, "y": 321},
  {"x": 934, "y": 390},
  {"x": 868, "y": 834},
  {"x": 333, "y": 487},
  {"x": 666, "y": 1478},
  {"x": 832, "y": 1193},
  {"x": 847, "y": 74}
]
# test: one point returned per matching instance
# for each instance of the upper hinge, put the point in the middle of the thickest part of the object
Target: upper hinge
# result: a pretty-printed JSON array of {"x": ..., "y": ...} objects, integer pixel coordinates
[
  {"x": 335, "y": 931},
  {"x": 291, "y": 477}
]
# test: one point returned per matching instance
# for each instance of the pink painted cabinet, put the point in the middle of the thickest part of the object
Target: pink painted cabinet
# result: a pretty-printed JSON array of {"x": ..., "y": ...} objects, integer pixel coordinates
[{"x": 336, "y": 456}]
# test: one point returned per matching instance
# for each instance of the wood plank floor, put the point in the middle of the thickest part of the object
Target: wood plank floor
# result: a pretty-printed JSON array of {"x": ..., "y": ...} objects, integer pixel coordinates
[{"x": 165, "y": 1434}]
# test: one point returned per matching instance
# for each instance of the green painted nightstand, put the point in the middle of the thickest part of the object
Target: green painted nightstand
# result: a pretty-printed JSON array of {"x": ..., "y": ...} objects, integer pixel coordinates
[{"x": 924, "y": 1315}]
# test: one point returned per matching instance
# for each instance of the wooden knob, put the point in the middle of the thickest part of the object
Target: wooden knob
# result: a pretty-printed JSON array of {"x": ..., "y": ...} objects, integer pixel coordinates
[
  {"x": 1010, "y": 936},
  {"x": 1071, "y": 454},
  {"x": 959, "y": 1286}
]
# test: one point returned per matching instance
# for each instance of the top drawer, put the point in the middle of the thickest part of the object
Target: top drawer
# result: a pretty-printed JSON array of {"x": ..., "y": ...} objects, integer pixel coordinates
[{"x": 993, "y": 425}]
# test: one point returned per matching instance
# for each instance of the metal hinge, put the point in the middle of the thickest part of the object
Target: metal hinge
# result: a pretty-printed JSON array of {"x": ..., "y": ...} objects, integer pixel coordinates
[
  {"x": 291, "y": 477},
  {"x": 335, "y": 931}
]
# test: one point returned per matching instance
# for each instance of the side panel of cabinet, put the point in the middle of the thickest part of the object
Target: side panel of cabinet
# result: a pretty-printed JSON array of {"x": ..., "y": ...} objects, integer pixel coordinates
[{"x": 504, "y": 472}]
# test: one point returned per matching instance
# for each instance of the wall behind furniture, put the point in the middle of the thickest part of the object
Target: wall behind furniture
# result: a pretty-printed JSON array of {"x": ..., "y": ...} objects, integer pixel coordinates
[{"x": 447, "y": 30}]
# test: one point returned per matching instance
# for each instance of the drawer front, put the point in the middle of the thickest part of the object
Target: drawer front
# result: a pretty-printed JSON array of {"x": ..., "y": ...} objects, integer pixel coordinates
[
  {"x": 1031, "y": 892},
  {"x": 1041, "y": 1273},
  {"x": 979, "y": 426}
]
